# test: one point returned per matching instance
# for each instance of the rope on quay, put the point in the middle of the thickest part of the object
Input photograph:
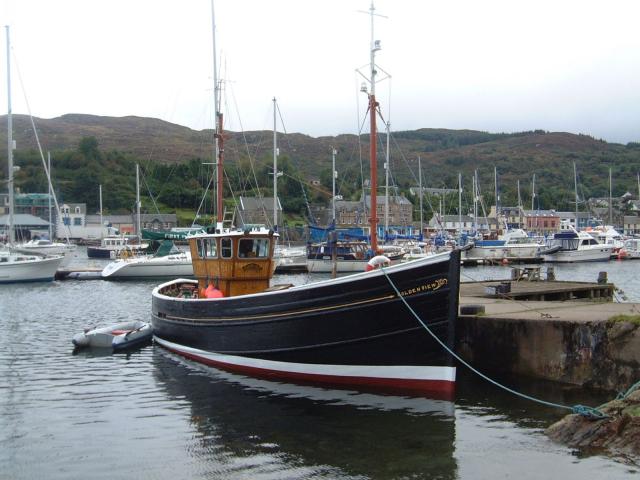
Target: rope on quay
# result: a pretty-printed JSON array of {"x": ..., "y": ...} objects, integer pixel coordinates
[{"x": 591, "y": 412}]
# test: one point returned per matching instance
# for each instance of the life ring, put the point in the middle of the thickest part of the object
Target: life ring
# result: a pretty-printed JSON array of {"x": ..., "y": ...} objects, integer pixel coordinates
[{"x": 377, "y": 262}]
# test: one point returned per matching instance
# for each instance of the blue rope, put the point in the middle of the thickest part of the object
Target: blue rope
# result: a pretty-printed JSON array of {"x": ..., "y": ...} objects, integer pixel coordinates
[
  {"x": 632, "y": 388},
  {"x": 578, "y": 409}
]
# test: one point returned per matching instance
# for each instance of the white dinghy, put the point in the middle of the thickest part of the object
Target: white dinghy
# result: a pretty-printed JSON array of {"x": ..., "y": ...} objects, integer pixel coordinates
[{"x": 117, "y": 336}]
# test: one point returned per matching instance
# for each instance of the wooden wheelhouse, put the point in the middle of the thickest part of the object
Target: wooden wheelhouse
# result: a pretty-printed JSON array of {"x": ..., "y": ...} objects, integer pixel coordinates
[{"x": 236, "y": 262}]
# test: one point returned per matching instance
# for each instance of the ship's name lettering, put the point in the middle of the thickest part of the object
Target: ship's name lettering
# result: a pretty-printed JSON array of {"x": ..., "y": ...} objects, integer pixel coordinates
[{"x": 432, "y": 286}]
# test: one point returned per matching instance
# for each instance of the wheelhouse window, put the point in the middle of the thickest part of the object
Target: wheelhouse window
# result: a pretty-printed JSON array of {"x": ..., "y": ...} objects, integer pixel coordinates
[
  {"x": 253, "y": 248},
  {"x": 207, "y": 248},
  {"x": 225, "y": 248}
]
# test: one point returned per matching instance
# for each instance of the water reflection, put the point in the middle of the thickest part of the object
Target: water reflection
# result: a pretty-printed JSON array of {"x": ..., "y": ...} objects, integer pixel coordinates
[{"x": 314, "y": 431}]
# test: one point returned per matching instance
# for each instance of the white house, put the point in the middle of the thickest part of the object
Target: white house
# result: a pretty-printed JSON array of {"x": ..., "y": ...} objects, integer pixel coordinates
[{"x": 72, "y": 223}]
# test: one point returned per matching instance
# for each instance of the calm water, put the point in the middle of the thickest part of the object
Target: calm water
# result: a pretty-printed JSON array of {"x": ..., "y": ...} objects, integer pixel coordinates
[{"x": 151, "y": 415}]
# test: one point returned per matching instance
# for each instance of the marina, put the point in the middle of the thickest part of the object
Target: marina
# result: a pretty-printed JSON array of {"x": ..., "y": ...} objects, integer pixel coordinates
[
  {"x": 208, "y": 325},
  {"x": 64, "y": 412}
]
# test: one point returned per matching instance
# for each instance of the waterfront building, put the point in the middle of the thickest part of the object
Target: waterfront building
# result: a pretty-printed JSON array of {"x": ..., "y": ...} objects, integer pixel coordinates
[{"x": 542, "y": 222}]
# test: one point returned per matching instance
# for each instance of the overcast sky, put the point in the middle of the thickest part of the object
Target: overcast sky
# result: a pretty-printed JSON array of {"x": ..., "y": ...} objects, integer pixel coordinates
[{"x": 499, "y": 66}]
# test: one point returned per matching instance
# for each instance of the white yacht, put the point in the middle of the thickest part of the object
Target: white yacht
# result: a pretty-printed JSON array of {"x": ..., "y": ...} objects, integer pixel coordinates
[
  {"x": 47, "y": 247},
  {"x": 515, "y": 244},
  {"x": 18, "y": 267},
  {"x": 168, "y": 261},
  {"x": 576, "y": 247}
]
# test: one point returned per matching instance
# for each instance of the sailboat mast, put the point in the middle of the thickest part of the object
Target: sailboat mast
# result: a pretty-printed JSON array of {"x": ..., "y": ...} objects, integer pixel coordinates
[
  {"x": 49, "y": 197},
  {"x": 334, "y": 174},
  {"x": 475, "y": 203},
  {"x": 138, "y": 227},
  {"x": 575, "y": 183},
  {"x": 219, "y": 139},
  {"x": 9, "y": 140},
  {"x": 533, "y": 192},
  {"x": 101, "y": 219},
  {"x": 610, "y": 200},
  {"x": 497, "y": 199},
  {"x": 420, "y": 183},
  {"x": 373, "y": 153},
  {"x": 459, "y": 204},
  {"x": 519, "y": 205},
  {"x": 275, "y": 169},
  {"x": 386, "y": 184}
]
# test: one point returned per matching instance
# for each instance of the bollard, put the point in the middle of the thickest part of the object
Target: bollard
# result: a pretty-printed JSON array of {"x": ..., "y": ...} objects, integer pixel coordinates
[
  {"x": 602, "y": 277},
  {"x": 515, "y": 274},
  {"x": 551, "y": 274}
]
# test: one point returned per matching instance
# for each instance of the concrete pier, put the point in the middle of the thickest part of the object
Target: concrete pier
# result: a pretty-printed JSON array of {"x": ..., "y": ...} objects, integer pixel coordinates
[{"x": 577, "y": 341}]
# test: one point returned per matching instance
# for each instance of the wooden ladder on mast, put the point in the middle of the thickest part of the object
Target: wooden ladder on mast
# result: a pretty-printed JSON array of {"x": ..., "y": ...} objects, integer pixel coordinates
[{"x": 228, "y": 218}]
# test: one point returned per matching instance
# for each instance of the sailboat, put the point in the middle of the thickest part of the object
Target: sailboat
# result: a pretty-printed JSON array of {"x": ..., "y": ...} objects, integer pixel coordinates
[
  {"x": 16, "y": 265},
  {"x": 47, "y": 246},
  {"x": 349, "y": 331},
  {"x": 167, "y": 261}
]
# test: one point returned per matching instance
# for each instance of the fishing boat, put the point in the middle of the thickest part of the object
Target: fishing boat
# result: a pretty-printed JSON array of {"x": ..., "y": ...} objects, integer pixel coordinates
[
  {"x": 355, "y": 330},
  {"x": 118, "y": 336},
  {"x": 15, "y": 265}
]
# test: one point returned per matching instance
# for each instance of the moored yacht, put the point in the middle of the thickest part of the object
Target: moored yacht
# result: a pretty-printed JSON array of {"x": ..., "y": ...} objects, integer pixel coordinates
[
  {"x": 168, "y": 261},
  {"x": 47, "y": 247},
  {"x": 576, "y": 247}
]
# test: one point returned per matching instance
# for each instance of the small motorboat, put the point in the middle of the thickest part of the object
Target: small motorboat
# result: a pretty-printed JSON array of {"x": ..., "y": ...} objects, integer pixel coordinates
[{"x": 117, "y": 336}]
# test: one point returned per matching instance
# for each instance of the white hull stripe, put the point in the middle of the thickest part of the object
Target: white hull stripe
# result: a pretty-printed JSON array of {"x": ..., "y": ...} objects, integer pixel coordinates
[{"x": 395, "y": 372}]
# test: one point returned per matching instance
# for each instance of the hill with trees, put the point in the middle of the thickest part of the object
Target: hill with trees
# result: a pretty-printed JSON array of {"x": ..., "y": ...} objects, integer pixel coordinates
[{"x": 89, "y": 150}]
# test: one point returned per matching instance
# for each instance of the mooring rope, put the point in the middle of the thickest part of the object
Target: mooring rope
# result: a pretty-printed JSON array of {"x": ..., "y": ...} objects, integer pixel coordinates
[{"x": 578, "y": 409}]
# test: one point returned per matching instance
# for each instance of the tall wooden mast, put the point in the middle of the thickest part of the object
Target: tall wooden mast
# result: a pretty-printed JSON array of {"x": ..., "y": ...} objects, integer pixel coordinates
[
  {"x": 373, "y": 137},
  {"x": 218, "y": 135}
]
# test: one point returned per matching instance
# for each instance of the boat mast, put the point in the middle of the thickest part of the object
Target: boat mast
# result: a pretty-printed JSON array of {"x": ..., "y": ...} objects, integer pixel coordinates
[
  {"x": 475, "y": 204},
  {"x": 420, "y": 183},
  {"x": 219, "y": 139},
  {"x": 533, "y": 191},
  {"x": 575, "y": 183},
  {"x": 496, "y": 197},
  {"x": 386, "y": 184},
  {"x": 49, "y": 198},
  {"x": 610, "y": 200},
  {"x": 101, "y": 219},
  {"x": 519, "y": 205},
  {"x": 373, "y": 153},
  {"x": 138, "y": 228},
  {"x": 275, "y": 169},
  {"x": 9, "y": 141},
  {"x": 334, "y": 174},
  {"x": 459, "y": 204}
]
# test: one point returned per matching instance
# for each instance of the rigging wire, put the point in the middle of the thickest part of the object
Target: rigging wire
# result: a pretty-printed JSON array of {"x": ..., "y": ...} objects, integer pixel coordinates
[{"x": 35, "y": 132}]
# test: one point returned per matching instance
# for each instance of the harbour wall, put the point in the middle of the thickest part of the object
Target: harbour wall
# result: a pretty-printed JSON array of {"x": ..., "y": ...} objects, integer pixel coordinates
[{"x": 579, "y": 350}]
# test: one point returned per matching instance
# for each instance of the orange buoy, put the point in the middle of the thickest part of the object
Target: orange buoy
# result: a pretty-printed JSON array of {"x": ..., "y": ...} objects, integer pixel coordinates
[{"x": 213, "y": 292}]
